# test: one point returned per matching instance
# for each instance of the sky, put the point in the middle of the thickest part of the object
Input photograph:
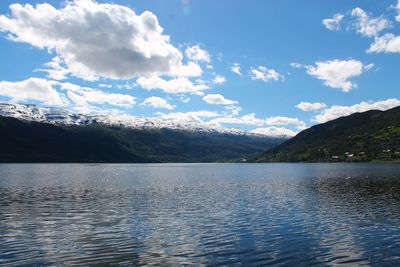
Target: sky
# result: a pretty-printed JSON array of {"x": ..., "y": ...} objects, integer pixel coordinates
[{"x": 269, "y": 67}]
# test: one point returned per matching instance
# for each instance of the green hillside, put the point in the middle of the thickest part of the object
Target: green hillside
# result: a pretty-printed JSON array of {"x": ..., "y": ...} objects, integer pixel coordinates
[{"x": 367, "y": 136}]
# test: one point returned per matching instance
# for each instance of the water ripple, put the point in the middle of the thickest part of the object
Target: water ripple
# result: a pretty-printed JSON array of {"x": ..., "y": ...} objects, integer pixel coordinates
[{"x": 215, "y": 214}]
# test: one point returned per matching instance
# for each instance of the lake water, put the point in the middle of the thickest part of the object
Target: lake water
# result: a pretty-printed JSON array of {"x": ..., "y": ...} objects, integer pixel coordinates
[{"x": 200, "y": 214}]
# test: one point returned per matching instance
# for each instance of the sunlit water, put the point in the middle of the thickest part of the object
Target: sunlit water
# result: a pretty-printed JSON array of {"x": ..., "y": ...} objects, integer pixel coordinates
[{"x": 200, "y": 214}]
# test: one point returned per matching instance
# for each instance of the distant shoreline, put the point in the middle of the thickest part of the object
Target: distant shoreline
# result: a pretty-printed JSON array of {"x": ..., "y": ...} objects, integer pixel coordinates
[{"x": 249, "y": 162}]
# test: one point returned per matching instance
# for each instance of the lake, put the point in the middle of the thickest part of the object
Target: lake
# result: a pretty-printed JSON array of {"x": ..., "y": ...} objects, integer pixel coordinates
[{"x": 200, "y": 214}]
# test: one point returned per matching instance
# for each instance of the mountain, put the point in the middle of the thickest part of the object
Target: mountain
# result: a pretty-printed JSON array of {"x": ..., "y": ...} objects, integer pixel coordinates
[
  {"x": 367, "y": 136},
  {"x": 29, "y": 133},
  {"x": 57, "y": 116}
]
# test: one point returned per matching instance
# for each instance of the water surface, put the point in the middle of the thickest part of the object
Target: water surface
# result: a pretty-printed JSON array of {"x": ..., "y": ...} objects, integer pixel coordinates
[{"x": 200, "y": 214}]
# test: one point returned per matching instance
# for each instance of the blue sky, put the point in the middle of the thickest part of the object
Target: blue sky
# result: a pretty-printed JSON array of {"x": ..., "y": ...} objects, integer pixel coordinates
[{"x": 175, "y": 59}]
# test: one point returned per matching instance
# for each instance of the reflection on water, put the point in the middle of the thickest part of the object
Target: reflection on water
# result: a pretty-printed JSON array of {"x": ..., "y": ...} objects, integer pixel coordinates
[{"x": 225, "y": 214}]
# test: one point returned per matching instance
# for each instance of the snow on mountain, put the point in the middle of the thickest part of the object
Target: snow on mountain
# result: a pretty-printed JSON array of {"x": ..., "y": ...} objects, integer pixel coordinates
[{"x": 59, "y": 116}]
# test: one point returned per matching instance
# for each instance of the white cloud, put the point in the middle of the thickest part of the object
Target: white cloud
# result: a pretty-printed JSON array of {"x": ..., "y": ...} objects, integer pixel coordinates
[
  {"x": 274, "y": 131},
  {"x": 233, "y": 110},
  {"x": 388, "y": 43},
  {"x": 235, "y": 68},
  {"x": 307, "y": 106},
  {"x": 398, "y": 11},
  {"x": 55, "y": 69},
  {"x": 367, "y": 26},
  {"x": 219, "y": 119},
  {"x": 172, "y": 86},
  {"x": 264, "y": 74},
  {"x": 333, "y": 24},
  {"x": 192, "y": 116},
  {"x": 296, "y": 65},
  {"x": 184, "y": 99},
  {"x": 53, "y": 93},
  {"x": 125, "y": 86},
  {"x": 282, "y": 120},
  {"x": 213, "y": 118},
  {"x": 336, "y": 73},
  {"x": 157, "y": 102},
  {"x": 197, "y": 54},
  {"x": 86, "y": 96},
  {"x": 219, "y": 79},
  {"x": 35, "y": 89},
  {"x": 104, "y": 85},
  {"x": 191, "y": 69},
  {"x": 217, "y": 99},
  {"x": 249, "y": 119},
  {"x": 369, "y": 66},
  {"x": 335, "y": 112},
  {"x": 93, "y": 40}
]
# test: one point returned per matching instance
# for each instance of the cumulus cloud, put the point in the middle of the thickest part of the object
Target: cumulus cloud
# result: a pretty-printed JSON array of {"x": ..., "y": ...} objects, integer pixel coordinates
[
  {"x": 213, "y": 118},
  {"x": 282, "y": 120},
  {"x": 388, "y": 43},
  {"x": 264, "y": 74},
  {"x": 248, "y": 119},
  {"x": 172, "y": 86},
  {"x": 93, "y": 40},
  {"x": 367, "y": 26},
  {"x": 336, "y": 111},
  {"x": 157, "y": 102},
  {"x": 56, "y": 69},
  {"x": 35, "y": 89},
  {"x": 251, "y": 119},
  {"x": 219, "y": 79},
  {"x": 307, "y": 106},
  {"x": 192, "y": 116},
  {"x": 197, "y": 54},
  {"x": 217, "y": 99},
  {"x": 54, "y": 93},
  {"x": 233, "y": 110},
  {"x": 230, "y": 118},
  {"x": 333, "y": 24},
  {"x": 372, "y": 27},
  {"x": 275, "y": 131},
  {"x": 86, "y": 96},
  {"x": 235, "y": 68},
  {"x": 336, "y": 73}
]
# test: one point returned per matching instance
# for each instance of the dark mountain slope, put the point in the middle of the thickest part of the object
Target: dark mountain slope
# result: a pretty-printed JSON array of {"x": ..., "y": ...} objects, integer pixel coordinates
[
  {"x": 371, "y": 135},
  {"x": 24, "y": 141}
]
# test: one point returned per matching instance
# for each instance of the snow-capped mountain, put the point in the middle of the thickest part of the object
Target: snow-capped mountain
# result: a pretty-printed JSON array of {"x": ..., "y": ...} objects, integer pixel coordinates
[
  {"x": 58, "y": 116},
  {"x": 51, "y": 139}
]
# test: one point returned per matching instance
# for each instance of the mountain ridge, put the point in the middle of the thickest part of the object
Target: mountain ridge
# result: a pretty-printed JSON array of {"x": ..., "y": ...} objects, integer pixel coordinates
[
  {"x": 366, "y": 136},
  {"x": 34, "y": 134},
  {"x": 58, "y": 116}
]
